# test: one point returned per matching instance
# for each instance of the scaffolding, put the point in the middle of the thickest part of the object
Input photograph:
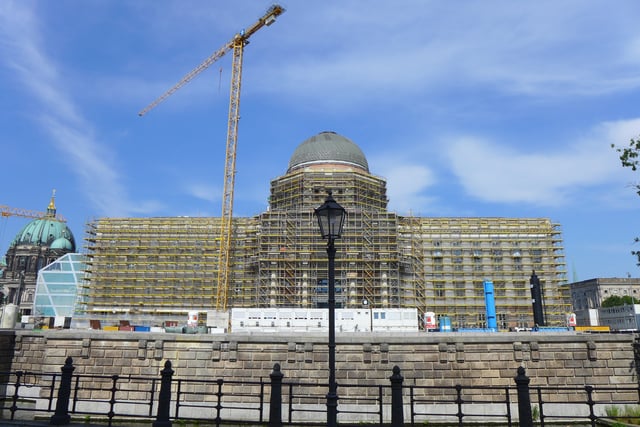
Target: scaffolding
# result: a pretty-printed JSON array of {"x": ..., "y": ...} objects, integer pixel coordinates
[
  {"x": 305, "y": 189},
  {"x": 165, "y": 267},
  {"x": 460, "y": 253},
  {"x": 293, "y": 261},
  {"x": 412, "y": 263}
]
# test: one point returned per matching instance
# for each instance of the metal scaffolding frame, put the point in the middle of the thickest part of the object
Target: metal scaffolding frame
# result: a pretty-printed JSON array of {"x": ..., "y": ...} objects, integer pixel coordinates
[{"x": 162, "y": 268}]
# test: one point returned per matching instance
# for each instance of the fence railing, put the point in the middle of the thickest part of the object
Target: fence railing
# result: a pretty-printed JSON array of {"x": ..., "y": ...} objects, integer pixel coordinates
[{"x": 275, "y": 402}]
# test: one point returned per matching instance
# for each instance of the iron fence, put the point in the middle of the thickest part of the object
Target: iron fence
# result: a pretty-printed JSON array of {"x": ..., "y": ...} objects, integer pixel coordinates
[{"x": 275, "y": 402}]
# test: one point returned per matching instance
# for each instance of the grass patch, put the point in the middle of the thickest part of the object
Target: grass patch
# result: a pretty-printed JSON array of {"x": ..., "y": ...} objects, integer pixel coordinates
[{"x": 623, "y": 416}]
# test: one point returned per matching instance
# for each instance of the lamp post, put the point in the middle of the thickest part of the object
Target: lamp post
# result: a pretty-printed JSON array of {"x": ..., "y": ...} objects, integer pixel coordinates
[
  {"x": 536, "y": 299},
  {"x": 331, "y": 218}
]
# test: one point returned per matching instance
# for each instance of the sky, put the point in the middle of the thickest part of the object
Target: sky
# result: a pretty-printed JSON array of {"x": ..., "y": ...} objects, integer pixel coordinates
[{"x": 467, "y": 108}]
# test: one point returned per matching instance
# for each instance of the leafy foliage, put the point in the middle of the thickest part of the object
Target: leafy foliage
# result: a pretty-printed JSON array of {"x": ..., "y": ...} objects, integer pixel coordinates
[
  {"x": 615, "y": 301},
  {"x": 630, "y": 158}
]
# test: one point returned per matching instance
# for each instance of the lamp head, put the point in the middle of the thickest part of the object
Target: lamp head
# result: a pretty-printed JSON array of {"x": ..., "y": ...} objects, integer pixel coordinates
[{"x": 331, "y": 218}]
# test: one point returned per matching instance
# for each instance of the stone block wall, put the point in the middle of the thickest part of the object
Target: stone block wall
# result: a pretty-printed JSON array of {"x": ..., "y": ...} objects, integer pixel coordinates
[
  {"x": 425, "y": 359},
  {"x": 6, "y": 350}
]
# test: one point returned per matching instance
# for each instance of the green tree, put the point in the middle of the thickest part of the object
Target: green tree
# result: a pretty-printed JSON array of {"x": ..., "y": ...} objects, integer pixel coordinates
[
  {"x": 615, "y": 301},
  {"x": 630, "y": 158}
]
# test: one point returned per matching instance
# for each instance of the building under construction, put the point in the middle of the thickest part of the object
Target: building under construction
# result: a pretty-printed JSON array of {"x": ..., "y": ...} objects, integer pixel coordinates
[{"x": 151, "y": 269}]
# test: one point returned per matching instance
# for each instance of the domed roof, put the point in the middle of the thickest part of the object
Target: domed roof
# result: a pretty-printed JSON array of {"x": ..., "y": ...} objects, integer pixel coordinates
[
  {"x": 328, "y": 147},
  {"x": 62, "y": 243},
  {"x": 46, "y": 231}
]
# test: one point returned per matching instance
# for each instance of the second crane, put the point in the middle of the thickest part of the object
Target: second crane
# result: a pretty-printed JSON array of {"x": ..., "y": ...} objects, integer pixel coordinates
[{"x": 237, "y": 44}]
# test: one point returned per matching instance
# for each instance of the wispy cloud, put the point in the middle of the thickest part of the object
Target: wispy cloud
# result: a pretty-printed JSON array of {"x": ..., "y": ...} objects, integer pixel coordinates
[
  {"x": 22, "y": 50},
  {"x": 525, "y": 49},
  {"x": 494, "y": 172},
  {"x": 408, "y": 182},
  {"x": 388, "y": 53},
  {"x": 204, "y": 191},
  {"x": 406, "y": 187}
]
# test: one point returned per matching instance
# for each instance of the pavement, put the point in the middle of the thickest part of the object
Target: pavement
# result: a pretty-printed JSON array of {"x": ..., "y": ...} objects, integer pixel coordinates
[
  {"x": 25, "y": 423},
  {"x": 145, "y": 423},
  {"x": 42, "y": 421},
  {"x": 139, "y": 423},
  {"x": 45, "y": 422}
]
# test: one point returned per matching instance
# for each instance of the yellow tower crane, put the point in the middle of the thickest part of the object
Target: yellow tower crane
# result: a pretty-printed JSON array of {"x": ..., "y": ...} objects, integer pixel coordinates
[
  {"x": 7, "y": 211},
  {"x": 237, "y": 43}
]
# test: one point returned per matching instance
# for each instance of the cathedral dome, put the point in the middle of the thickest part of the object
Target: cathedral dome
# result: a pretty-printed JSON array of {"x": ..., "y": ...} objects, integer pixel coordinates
[
  {"x": 46, "y": 231},
  {"x": 328, "y": 148}
]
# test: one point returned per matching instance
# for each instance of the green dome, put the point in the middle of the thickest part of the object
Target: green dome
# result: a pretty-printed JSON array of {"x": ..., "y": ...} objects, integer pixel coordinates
[
  {"x": 328, "y": 147},
  {"x": 62, "y": 243},
  {"x": 45, "y": 232}
]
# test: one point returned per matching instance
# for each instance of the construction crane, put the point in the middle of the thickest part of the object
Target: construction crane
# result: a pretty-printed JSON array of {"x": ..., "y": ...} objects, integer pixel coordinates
[
  {"x": 7, "y": 211},
  {"x": 237, "y": 44}
]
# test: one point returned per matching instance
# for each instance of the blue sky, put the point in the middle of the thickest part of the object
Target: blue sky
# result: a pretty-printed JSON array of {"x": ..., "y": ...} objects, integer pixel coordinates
[{"x": 467, "y": 108}]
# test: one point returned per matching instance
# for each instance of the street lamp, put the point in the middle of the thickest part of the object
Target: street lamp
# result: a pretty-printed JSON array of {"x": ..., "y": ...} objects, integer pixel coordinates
[
  {"x": 331, "y": 218},
  {"x": 536, "y": 299}
]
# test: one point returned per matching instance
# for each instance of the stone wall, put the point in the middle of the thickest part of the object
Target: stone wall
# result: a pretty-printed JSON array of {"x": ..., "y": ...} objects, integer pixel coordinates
[
  {"x": 425, "y": 359},
  {"x": 6, "y": 350},
  {"x": 431, "y": 359}
]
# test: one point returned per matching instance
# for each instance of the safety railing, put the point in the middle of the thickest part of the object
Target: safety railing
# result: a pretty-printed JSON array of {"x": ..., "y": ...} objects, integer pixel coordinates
[{"x": 274, "y": 401}]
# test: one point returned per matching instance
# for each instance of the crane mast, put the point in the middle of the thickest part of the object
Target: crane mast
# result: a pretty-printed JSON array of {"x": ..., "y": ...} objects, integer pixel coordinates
[
  {"x": 226, "y": 224},
  {"x": 236, "y": 44}
]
